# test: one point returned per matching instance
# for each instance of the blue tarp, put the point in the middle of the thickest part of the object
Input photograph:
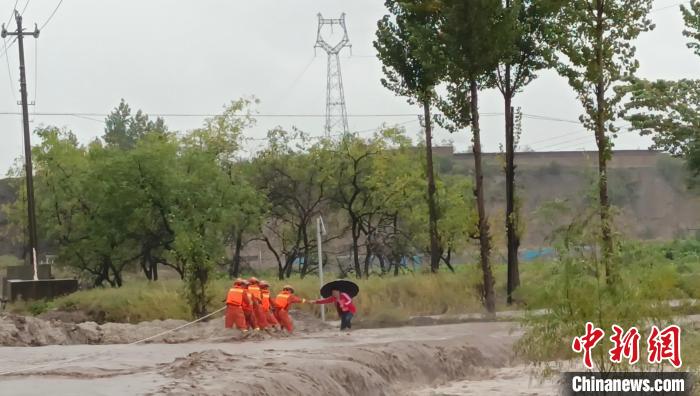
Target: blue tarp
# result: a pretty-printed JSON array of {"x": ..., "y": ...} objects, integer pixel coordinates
[{"x": 534, "y": 254}]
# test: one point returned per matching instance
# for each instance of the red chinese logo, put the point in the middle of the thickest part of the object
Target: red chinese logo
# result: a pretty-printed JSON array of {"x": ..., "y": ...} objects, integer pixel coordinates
[
  {"x": 662, "y": 345},
  {"x": 665, "y": 345},
  {"x": 626, "y": 345},
  {"x": 587, "y": 342}
]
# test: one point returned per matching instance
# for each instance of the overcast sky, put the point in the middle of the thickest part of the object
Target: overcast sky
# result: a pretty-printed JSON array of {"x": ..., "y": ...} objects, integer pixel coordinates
[{"x": 165, "y": 56}]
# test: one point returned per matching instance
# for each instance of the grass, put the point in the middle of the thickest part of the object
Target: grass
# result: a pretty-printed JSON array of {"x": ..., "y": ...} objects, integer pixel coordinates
[
  {"x": 7, "y": 260},
  {"x": 384, "y": 300}
]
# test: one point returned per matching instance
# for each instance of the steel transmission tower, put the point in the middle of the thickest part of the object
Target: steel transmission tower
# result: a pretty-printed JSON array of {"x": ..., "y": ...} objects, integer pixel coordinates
[{"x": 336, "y": 112}]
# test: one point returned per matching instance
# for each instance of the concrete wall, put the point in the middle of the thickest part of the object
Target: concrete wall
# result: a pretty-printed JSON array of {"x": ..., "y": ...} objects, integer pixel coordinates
[{"x": 40, "y": 289}]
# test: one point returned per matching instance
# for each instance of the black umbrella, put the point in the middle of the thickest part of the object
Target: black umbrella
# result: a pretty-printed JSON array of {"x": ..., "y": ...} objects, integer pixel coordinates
[{"x": 342, "y": 285}]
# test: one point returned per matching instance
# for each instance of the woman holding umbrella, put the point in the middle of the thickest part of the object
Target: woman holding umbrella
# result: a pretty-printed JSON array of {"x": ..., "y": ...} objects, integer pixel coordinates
[{"x": 341, "y": 293}]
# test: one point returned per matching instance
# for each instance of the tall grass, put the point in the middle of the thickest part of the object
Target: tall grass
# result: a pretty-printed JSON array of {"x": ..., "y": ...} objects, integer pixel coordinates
[{"x": 381, "y": 299}]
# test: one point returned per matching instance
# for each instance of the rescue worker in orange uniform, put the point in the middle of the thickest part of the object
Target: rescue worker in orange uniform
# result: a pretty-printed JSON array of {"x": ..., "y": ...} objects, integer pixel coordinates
[
  {"x": 235, "y": 301},
  {"x": 283, "y": 301},
  {"x": 255, "y": 293},
  {"x": 267, "y": 304},
  {"x": 248, "y": 308}
]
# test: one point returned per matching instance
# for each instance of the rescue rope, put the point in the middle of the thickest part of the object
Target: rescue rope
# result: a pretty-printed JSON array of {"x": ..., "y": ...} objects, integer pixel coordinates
[{"x": 11, "y": 372}]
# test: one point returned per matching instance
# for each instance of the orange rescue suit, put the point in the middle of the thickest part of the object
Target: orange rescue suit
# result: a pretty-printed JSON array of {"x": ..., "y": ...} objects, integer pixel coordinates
[
  {"x": 248, "y": 309},
  {"x": 282, "y": 302},
  {"x": 235, "y": 299},
  {"x": 269, "y": 315},
  {"x": 256, "y": 294}
]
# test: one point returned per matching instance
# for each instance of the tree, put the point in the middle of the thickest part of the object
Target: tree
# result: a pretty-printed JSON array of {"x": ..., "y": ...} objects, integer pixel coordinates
[
  {"x": 670, "y": 110},
  {"x": 413, "y": 65},
  {"x": 296, "y": 187},
  {"x": 350, "y": 163},
  {"x": 207, "y": 201},
  {"x": 85, "y": 205},
  {"x": 593, "y": 42},
  {"x": 476, "y": 36},
  {"x": 247, "y": 214},
  {"x": 122, "y": 130},
  {"x": 529, "y": 53},
  {"x": 691, "y": 17}
]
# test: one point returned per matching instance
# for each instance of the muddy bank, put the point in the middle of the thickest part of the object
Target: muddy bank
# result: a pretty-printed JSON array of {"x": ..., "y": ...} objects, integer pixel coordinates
[
  {"x": 16, "y": 330},
  {"x": 392, "y": 368},
  {"x": 366, "y": 362}
]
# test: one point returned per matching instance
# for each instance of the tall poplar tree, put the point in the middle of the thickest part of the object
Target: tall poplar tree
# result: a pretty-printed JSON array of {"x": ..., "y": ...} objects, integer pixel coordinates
[
  {"x": 593, "y": 40},
  {"x": 528, "y": 53},
  {"x": 413, "y": 65},
  {"x": 476, "y": 35}
]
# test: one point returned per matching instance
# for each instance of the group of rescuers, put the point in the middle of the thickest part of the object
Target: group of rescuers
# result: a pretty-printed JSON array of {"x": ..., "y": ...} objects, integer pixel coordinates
[{"x": 249, "y": 306}]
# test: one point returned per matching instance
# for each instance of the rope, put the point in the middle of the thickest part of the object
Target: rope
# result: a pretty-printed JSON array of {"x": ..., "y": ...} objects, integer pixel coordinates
[{"x": 11, "y": 372}]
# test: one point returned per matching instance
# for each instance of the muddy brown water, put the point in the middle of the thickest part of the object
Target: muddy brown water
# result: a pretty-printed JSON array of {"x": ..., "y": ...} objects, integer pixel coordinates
[{"x": 366, "y": 362}]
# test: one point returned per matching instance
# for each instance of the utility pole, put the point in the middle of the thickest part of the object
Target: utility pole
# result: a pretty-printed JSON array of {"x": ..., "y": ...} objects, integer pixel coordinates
[
  {"x": 27, "y": 143},
  {"x": 320, "y": 230},
  {"x": 336, "y": 112}
]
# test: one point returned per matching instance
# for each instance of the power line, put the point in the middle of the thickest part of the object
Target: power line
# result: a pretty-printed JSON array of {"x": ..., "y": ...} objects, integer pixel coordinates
[
  {"x": 546, "y": 118},
  {"x": 25, "y": 8},
  {"x": 579, "y": 139},
  {"x": 668, "y": 6},
  {"x": 9, "y": 19},
  {"x": 268, "y": 115},
  {"x": 7, "y": 48},
  {"x": 51, "y": 16},
  {"x": 286, "y": 92},
  {"x": 568, "y": 134},
  {"x": 9, "y": 72}
]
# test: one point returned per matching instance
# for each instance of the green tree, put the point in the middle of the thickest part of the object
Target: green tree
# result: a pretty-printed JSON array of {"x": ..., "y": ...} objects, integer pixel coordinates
[
  {"x": 209, "y": 199},
  {"x": 291, "y": 176},
  {"x": 123, "y": 130},
  {"x": 593, "y": 42},
  {"x": 529, "y": 53},
  {"x": 691, "y": 17},
  {"x": 81, "y": 208},
  {"x": 670, "y": 110},
  {"x": 413, "y": 65},
  {"x": 476, "y": 35}
]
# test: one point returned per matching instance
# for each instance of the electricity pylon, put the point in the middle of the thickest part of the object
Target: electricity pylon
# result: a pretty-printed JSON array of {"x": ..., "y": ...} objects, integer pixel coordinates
[{"x": 336, "y": 112}]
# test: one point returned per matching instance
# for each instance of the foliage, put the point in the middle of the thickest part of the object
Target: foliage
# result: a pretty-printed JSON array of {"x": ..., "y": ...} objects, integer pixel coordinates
[
  {"x": 593, "y": 42},
  {"x": 476, "y": 36},
  {"x": 123, "y": 130},
  {"x": 574, "y": 292},
  {"x": 146, "y": 196},
  {"x": 290, "y": 173},
  {"x": 669, "y": 111},
  {"x": 7, "y": 260},
  {"x": 412, "y": 64},
  {"x": 691, "y": 17}
]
